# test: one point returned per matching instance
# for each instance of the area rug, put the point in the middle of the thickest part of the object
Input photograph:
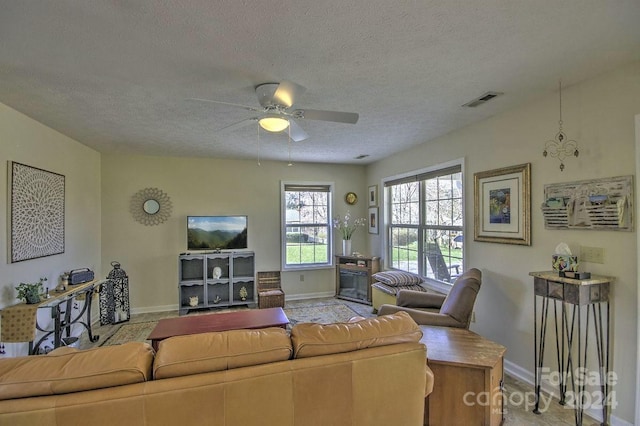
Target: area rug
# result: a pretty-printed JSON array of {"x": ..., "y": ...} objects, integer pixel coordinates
[
  {"x": 324, "y": 314},
  {"x": 135, "y": 332}
]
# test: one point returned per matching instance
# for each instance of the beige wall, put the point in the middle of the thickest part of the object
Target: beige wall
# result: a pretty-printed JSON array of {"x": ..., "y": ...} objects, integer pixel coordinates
[
  {"x": 149, "y": 254},
  {"x": 26, "y": 141},
  {"x": 99, "y": 228},
  {"x": 599, "y": 114}
]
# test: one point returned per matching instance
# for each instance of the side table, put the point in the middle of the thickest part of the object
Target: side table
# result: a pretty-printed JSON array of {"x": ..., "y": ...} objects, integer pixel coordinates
[
  {"x": 572, "y": 295},
  {"x": 468, "y": 372}
]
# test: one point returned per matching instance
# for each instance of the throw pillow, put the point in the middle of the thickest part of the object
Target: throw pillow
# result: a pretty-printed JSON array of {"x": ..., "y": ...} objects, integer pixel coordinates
[{"x": 396, "y": 278}]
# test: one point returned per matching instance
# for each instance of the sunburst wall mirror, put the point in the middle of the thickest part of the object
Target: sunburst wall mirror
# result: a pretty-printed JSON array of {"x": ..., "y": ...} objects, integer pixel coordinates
[{"x": 151, "y": 206}]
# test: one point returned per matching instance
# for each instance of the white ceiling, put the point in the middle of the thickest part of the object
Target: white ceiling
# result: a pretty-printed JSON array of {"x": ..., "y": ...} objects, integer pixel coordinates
[{"x": 116, "y": 75}]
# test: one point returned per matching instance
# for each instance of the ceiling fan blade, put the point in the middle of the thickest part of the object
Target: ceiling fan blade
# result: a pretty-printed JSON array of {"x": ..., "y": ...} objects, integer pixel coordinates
[
  {"x": 248, "y": 108},
  {"x": 337, "y": 116},
  {"x": 238, "y": 125},
  {"x": 287, "y": 93},
  {"x": 297, "y": 134}
]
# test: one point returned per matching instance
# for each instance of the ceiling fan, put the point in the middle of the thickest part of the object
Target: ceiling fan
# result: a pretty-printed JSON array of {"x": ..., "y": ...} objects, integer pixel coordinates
[{"x": 276, "y": 113}]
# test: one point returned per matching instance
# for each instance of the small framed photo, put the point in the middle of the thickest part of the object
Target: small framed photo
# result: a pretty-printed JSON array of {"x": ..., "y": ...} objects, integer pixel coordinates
[
  {"x": 502, "y": 205},
  {"x": 373, "y": 220},
  {"x": 373, "y": 195}
]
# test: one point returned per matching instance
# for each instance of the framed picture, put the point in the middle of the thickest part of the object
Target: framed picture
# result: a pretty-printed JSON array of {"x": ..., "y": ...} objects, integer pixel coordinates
[
  {"x": 502, "y": 205},
  {"x": 373, "y": 195},
  {"x": 36, "y": 213},
  {"x": 373, "y": 220}
]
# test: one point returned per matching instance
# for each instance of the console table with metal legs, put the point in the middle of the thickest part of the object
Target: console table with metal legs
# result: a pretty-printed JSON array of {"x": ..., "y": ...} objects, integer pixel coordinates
[
  {"x": 20, "y": 321},
  {"x": 63, "y": 317},
  {"x": 573, "y": 300}
]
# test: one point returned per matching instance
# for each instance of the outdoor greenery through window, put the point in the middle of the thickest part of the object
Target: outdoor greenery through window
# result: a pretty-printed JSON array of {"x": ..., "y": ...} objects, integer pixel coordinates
[
  {"x": 306, "y": 225},
  {"x": 425, "y": 231}
]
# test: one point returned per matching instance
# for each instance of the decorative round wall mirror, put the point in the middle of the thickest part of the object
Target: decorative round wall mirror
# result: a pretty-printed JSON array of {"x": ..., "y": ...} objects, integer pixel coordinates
[{"x": 150, "y": 206}]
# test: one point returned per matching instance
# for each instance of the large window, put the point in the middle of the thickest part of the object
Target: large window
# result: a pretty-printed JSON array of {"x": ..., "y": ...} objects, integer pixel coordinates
[
  {"x": 426, "y": 223},
  {"x": 306, "y": 230}
]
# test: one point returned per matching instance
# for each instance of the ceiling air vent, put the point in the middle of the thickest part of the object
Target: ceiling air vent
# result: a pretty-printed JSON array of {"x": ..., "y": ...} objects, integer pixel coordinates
[
  {"x": 482, "y": 99},
  {"x": 361, "y": 156}
]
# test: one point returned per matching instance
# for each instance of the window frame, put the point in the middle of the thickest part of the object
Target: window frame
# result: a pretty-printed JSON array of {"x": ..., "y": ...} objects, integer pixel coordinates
[
  {"x": 437, "y": 285},
  {"x": 283, "y": 225}
]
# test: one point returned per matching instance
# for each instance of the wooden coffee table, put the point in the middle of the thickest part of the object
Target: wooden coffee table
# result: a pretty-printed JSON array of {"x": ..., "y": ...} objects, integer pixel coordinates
[{"x": 194, "y": 324}]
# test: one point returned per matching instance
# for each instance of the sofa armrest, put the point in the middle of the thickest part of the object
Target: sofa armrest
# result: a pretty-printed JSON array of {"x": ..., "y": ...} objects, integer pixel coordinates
[
  {"x": 422, "y": 317},
  {"x": 430, "y": 379},
  {"x": 419, "y": 299}
]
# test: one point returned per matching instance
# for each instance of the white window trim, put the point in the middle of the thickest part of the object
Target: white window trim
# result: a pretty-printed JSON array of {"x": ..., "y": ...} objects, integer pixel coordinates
[
  {"x": 283, "y": 234},
  {"x": 438, "y": 286}
]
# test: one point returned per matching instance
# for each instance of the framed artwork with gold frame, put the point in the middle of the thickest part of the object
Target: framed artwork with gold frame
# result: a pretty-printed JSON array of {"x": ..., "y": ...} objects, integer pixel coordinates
[{"x": 502, "y": 205}]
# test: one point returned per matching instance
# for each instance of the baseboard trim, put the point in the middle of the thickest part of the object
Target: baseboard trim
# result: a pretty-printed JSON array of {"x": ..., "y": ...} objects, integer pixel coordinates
[
  {"x": 526, "y": 376},
  {"x": 164, "y": 308},
  {"x": 151, "y": 309},
  {"x": 303, "y": 296}
]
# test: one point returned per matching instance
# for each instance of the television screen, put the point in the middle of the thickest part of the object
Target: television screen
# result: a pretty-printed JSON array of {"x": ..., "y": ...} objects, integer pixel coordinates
[{"x": 216, "y": 232}]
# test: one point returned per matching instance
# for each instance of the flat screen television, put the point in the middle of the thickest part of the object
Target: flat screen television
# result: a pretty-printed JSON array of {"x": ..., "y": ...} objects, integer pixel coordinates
[{"x": 216, "y": 232}]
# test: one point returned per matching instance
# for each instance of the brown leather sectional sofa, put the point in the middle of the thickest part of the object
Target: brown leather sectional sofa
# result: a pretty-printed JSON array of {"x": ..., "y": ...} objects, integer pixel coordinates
[{"x": 371, "y": 372}]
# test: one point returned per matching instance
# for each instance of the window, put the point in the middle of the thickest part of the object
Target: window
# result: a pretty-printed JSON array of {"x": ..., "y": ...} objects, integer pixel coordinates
[
  {"x": 307, "y": 236},
  {"x": 426, "y": 223}
]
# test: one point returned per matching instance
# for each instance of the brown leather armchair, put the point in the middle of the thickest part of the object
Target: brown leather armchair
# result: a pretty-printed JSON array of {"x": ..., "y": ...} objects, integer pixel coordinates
[{"x": 453, "y": 310}]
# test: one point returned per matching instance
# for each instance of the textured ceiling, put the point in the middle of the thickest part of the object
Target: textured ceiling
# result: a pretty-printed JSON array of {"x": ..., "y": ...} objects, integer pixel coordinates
[{"x": 116, "y": 75}]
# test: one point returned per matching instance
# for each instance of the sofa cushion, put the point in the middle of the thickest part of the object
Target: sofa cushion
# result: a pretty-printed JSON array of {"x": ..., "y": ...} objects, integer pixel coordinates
[
  {"x": 74, "y": 371},
  {"x": 311, "y": 339},
  {"x": 216, "y": 351},
  {"x": 395, "y": 278}
]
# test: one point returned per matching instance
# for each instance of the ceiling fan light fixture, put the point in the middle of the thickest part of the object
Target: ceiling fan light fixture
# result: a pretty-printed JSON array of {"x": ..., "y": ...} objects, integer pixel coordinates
[{"x": 273, "y": 124}]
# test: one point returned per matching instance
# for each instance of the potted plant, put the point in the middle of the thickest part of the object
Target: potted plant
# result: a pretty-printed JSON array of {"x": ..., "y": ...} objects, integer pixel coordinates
[{"x": 30, "y": 292}]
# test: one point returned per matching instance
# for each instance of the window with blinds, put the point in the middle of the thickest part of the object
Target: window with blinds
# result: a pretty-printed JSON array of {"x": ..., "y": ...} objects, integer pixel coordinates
[
  {"x": 306, "y": 225},
  {"x": 426, "y": 223}
]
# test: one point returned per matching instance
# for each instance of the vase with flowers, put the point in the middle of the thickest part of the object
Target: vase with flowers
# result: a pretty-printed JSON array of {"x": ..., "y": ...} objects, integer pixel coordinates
[{"x": 346, "y": 228}]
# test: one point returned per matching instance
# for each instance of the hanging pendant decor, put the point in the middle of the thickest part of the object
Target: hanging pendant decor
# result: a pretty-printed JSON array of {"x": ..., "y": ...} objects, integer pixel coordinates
[
  {"x": 560, "y": 147},
  {"x": 289, "y": 147}
]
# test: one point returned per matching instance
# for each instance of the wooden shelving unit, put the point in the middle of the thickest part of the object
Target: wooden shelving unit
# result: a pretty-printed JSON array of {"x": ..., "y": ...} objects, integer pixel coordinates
[{"x": 216, "y": 279}]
